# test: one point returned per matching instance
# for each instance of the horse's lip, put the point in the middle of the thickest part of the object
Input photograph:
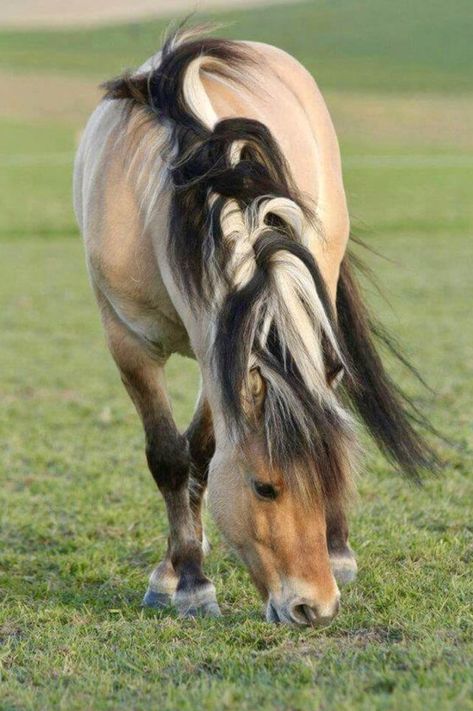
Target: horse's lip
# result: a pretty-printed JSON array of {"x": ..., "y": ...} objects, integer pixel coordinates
[
  {"x": 272, "y": 614},
  {"x": 279, "y": 615}
]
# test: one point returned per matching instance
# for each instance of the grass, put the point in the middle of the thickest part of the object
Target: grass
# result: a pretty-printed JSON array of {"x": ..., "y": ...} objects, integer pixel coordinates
[{"x": 80, "y": 522}]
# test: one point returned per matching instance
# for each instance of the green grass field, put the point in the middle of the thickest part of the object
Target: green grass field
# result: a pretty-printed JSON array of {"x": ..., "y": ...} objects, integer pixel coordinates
[{"x": 81, "y": 522}]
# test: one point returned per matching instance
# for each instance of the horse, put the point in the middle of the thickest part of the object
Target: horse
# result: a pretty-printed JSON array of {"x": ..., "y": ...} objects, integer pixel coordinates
[{"x": 208, "y": 189}]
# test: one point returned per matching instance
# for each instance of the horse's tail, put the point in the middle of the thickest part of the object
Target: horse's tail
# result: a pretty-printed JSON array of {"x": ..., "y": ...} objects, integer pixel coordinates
[{"x": 385, "y": 409}]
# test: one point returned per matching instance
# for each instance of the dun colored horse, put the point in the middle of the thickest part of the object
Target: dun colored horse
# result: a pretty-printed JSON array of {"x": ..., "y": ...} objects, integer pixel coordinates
[{"x": 209, "y": 192}]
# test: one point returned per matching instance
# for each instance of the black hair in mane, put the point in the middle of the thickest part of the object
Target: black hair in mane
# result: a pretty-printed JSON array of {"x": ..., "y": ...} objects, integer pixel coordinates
[
  {"x": 308, "y": 434},
  {"x": 200, "y": 160}
]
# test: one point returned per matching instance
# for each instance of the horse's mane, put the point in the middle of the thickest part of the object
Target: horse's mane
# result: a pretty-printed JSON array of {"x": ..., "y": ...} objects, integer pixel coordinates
[{"x": 238, "y": 247}]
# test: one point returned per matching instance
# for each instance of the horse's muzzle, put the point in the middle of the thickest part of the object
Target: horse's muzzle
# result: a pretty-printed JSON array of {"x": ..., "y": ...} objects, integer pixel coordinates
[{"x": 300, "y": 612}]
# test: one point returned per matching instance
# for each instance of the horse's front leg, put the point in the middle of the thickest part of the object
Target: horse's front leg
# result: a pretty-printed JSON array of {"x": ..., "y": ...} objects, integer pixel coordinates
[
  {"x": 200, "y": 436},
  {"x": 342, "y": 558},
  {"x": 179, "y": 577}
]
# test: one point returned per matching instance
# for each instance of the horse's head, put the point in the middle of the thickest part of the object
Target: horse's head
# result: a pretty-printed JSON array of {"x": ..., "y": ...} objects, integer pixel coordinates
[{"x": 279, "y": 532}]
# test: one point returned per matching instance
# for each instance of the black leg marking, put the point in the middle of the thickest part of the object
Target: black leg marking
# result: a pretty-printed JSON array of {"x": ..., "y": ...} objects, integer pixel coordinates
[
  {"x": 200, "y": 436},
  {"x": 179, "y": 577}
]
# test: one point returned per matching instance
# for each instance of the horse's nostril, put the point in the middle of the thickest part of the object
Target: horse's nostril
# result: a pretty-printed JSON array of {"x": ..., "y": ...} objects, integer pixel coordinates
[{"x": 304, "y": 614}]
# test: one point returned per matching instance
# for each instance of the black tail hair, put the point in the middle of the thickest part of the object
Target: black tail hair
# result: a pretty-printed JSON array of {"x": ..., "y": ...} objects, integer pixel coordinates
[{"x": 385, "y": 409}]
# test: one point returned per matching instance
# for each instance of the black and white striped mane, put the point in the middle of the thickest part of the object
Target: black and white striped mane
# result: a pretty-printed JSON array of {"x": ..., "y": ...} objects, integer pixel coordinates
[{"x": 238, "y": 248}]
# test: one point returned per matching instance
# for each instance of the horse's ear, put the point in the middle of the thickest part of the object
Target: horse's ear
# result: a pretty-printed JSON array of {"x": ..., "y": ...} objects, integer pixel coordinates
[
  {"x": 257, "y": 384},
  {"x": 256, "y": 392}
]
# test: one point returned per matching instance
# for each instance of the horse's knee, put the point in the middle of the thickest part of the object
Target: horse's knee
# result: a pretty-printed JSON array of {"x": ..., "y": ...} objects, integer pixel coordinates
[{"x": 168, "y": 457}]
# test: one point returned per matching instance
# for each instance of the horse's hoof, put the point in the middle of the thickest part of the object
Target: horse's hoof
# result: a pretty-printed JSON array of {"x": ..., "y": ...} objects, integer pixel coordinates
[
  {"x": 157, "y": 600},
  {"x": 200, "y": 601},
  {"x": 344, "y": 567},
  {"x": 210, "y": 609}
]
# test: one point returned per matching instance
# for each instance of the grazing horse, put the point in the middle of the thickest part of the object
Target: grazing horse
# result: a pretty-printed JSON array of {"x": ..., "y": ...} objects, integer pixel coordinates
[{"x": 209, "y": 192}]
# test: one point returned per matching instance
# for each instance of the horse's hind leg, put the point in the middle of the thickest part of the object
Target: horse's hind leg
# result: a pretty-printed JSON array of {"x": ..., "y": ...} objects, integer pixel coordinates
[
  {"x": 179, "y": 576},
  {"x": 342, "y": 558}
]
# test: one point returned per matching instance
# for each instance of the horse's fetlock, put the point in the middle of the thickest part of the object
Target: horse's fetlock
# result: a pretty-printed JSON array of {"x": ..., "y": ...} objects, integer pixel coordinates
[{"x": 188, "y": 560}]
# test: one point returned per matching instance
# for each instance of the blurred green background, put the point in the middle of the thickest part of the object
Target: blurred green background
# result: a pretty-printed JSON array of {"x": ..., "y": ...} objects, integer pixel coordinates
[{"x": 81, "y": 523}]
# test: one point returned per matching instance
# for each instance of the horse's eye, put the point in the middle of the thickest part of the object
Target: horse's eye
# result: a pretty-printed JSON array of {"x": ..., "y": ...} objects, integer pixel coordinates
[{"x": 265, "y": 491}]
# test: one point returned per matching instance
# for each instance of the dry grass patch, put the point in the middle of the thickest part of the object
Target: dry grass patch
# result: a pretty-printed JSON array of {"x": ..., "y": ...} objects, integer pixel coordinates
[
  {"x": 47, "y": 97},
  {"x": 56, "y": 13},
  {"x": 423, "y": 120}
]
